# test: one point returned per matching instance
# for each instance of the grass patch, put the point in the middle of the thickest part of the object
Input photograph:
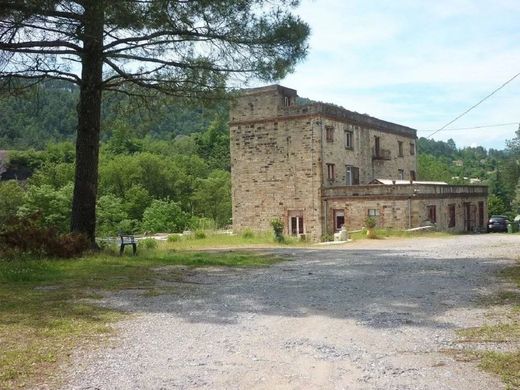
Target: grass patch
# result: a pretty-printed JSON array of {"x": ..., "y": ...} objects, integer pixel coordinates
[
  {"x": 500, "y": 333},
  {"x": 45, "y": 311},
  {"x": 504, "y": 364},
  {"x": 210, "y": 239},
  {"x": 387, "y": 233}
]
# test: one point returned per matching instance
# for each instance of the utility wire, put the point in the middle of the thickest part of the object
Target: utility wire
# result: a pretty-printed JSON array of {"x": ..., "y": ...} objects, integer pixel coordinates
[
  {"x": 472, "y": 107},
  {"x": 477, "y": 127}
]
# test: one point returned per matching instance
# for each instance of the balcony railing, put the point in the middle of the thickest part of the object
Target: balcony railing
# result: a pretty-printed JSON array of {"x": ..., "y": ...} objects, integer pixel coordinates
[{"x": 381, "y": 154}]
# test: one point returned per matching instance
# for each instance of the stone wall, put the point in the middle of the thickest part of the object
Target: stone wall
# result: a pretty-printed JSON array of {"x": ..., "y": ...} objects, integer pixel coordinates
[
  {"x": 400, "y": 207},
  {"x": 275, "y": 171},
  {"x": 279, "y": 156},
  {"x": 361, "y": 153}
]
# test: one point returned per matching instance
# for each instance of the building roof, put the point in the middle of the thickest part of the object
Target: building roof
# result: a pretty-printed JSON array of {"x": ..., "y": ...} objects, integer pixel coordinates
[
  {"x": 403, "y": 182},
  {"x": 333, "y": 111}
]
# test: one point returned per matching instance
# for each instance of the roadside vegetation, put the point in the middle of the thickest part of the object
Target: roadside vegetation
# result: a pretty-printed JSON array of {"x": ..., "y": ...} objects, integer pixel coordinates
[
  {"x": 506, "y": 331},
  {"x": 48, "y": 306}
]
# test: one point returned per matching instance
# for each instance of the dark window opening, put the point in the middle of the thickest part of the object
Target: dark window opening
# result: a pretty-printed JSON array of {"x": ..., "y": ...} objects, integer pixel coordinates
[
  {"x": 451, "y": 215},
  {"x": 296, "y": 225},
  {"x": 400, "y": 147},
  {"x": 339, "y": 219},
  {"x": 377, "y": 146},
  {"x": 481, "y": 213},
  {"x": 413, "y": 176},
  {"x": 432, "y": 214},
  {"x": 412, "y": 148},
  {"x": 349, "y": 139}
]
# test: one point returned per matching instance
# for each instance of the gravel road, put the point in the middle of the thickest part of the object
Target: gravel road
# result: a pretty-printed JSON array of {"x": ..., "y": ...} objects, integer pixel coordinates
[{"x": 373, "y": 314}]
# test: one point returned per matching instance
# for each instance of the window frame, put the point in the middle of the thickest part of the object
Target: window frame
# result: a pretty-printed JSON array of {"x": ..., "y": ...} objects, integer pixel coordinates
[
  {"x": 412, "y": 148},
  {"x": 432, "y": 216},
  {"x": 331, "y": 172},
  {"x": 400, "y": 152},
  {"x": 351, "y": 175},
  {"x": 452, "y": 219},
  {"x": 329, "y": 133},
  {"x": 349, "y": 139},
  {"x": 373, "y": 212}
]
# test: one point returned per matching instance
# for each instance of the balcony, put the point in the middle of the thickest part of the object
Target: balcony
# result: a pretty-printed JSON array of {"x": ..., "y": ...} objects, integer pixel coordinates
[{"x": 380, "y": 154}]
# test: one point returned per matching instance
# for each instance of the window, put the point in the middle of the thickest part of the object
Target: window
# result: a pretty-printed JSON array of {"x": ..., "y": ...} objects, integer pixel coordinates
[
  {"x": 296, "y": 222},
  {"x": 286, "y": 101},
  {"x": 432, "y": 213},
  {"x": 352, "y": 177},
  {"x": 401, "y": 174},
  {"x": 451, "y": 215},
  {"x": 412, "y": 148},
  {"x": 400, "y": 147},
  {"x": 330, "y": 133},
  {"x": 413, "y": 176},
  {"x": 373, "y": 212},
  {"x": 377, "y": 146},
  {"x": 349, "y": 144},
  {"x": 330, "y": 172},
  {"x": 339, "y": 219}
]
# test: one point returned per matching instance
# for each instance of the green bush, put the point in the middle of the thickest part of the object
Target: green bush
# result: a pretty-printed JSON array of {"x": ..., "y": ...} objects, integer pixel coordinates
[
  {"x": 248, "y": 234},
  {"x": 173, "y": 238},
  {"x": 148, "y": 243},
  {"x": 11, "y": 198},
  {"x": 200, "y": 234},
  {"x": 164, "y": 216},
  {"x": 277, "y": 225},
  {"x": 327, "y": 237},
  {"x": 370, "y": 222}
]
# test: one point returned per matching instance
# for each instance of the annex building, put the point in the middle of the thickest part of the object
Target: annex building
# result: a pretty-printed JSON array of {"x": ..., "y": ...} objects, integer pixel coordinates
[{"x": 318, "y": 167}]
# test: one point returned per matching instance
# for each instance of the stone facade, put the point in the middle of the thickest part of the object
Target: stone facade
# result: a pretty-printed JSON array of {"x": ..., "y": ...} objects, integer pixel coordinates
[
  {"x": 404, "y": 206},
  {"x": 287, "y": 157}
]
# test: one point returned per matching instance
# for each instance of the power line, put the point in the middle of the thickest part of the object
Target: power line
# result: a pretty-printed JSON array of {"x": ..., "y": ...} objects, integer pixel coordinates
[
  {"x": 472, "y": 107},
  {"x": 476, "y": 127}
]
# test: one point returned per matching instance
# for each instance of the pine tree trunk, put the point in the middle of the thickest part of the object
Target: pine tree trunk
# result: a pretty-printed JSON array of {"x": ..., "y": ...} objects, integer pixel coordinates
[{"x": 83, "y": 219}]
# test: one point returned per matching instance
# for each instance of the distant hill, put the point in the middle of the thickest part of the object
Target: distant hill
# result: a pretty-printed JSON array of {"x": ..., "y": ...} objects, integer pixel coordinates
[{"x": 47, "y": 113}]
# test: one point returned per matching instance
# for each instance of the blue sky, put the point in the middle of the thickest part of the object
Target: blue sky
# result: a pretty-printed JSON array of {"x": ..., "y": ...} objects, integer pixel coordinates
[{"x": 417, "y": 63}]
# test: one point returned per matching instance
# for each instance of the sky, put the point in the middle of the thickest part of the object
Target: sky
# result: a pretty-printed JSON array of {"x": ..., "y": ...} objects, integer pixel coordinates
[{"x": 417, "y": 63}]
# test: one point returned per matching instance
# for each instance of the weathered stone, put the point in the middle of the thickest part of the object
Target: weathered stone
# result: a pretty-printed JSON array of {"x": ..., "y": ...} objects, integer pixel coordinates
[{"x": 297, "y": 163}]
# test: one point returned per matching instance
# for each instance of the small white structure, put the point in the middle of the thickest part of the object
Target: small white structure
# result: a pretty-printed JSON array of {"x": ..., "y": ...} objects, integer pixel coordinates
[{"x": 342, "y": 235}]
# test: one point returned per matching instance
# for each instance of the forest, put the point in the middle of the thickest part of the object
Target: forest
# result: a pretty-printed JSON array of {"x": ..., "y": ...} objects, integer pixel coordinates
[{"x": 164, "y": 164}]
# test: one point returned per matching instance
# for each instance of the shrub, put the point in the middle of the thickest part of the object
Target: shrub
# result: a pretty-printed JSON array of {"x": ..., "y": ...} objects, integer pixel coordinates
[
  {"x": 164, "y": 216},
  {"x": 27, "y": 235},
  {"x": 200, "y": 234},
  {"x": 277, "y": 225},
  {"x": 327, "y": 237},
  {"x": 149, "y": 243},
  {"x": 247, "y": 234},
  {"x": 370, "y": 222},
  {"x": 173, "y": 238}
]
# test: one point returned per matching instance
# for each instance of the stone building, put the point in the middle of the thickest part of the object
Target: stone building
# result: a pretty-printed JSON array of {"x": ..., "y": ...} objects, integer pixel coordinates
[{"x": 318, "y": 166}]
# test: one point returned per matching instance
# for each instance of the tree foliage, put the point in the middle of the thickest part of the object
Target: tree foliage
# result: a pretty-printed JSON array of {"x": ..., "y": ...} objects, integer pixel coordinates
[{"x": 178, "y": 48}]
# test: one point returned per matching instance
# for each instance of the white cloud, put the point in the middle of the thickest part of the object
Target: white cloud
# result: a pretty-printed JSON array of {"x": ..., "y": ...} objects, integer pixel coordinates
[{"x": 419, "y": 64}]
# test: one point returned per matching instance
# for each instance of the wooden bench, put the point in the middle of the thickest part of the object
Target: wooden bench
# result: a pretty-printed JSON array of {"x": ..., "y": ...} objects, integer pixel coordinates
[{"x": 127, "y": 239}]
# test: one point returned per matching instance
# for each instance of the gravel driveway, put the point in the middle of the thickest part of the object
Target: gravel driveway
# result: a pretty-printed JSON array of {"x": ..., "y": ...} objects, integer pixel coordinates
[{"x": 373, "y": 314}]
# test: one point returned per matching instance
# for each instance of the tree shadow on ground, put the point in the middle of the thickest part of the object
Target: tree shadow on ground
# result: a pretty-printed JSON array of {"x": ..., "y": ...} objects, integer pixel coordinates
[{"x": 375, "y": 288}]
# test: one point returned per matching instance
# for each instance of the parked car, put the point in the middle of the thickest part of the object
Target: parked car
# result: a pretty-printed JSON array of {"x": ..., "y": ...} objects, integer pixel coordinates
[{"x": 497, "y": 223}]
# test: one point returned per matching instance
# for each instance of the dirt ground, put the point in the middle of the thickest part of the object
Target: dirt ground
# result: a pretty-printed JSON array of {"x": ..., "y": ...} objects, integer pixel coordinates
[{"x": 373, "y": 314}]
